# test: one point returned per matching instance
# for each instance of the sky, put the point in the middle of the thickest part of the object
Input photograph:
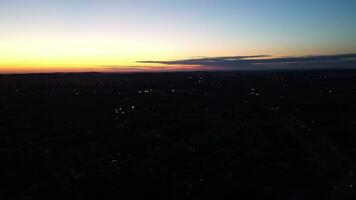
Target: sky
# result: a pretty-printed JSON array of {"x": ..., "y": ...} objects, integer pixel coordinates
[{"x": 104, "y": 35}]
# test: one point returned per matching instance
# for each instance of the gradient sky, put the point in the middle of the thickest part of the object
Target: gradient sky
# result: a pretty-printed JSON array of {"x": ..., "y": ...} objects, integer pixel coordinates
[{"x": 90, "y": 35}]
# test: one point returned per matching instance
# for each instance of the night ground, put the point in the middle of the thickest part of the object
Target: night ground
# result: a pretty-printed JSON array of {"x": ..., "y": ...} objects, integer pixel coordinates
[{"x": 189, "y": 135}]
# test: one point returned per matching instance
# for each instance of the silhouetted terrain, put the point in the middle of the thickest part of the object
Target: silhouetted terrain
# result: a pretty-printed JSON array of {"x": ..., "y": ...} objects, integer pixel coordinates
[{"x": 266, "y": 135}]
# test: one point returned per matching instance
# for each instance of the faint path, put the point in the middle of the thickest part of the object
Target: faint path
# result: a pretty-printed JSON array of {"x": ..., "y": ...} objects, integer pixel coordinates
[{"x": 325, "y": 151}]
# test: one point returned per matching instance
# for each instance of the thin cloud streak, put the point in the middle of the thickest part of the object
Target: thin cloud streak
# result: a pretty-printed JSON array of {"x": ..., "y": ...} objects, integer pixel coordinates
[
  {"x": 166, "y": 68},
  {"x": 256, "y": 62}
]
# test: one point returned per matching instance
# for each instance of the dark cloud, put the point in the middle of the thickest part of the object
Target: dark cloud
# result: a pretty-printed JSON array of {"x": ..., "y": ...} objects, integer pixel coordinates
[
  {"x": 205, "y": 60},
  {"x": 326, "y": 58},
  {"x": 267, "y": 62},
  {"x": 133, "y": 68}
]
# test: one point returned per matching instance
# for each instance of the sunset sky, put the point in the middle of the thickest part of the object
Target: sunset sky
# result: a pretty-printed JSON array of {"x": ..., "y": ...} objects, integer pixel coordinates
[{"x": 99, "y": 35}]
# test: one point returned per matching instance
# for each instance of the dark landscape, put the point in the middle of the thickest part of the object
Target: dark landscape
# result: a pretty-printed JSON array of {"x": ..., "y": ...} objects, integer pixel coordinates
[{"x": 185, "y": 135}]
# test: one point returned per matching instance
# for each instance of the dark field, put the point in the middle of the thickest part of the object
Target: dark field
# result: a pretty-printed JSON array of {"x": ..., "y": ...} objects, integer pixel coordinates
[{"x": 280, "y": 135}]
